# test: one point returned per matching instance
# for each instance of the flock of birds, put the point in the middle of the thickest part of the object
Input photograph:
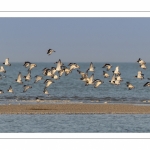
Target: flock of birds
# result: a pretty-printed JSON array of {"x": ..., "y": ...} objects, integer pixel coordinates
[{"x": 61, "y": 69}]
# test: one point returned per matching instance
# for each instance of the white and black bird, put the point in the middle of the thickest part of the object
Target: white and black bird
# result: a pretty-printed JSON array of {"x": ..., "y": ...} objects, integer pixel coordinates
[
  {"x": 31, "y": 66},
  {"x": 37, "y": 99},
  {"x": 53, "y": 70},
  {"x": 105, "y": 74},
  {"x": 147, "y": 84},
  {"x": 44, "y": 71},
  {"x": 73, "y": 66},
  {"x": 107, "y": 66},
  {"x": 59, "y": 61},
  {"x": 45, "y": 91},
  {"x": 28, "y": 76},
  {"x": 1, "y": 91},
  {"x": 91, "y": 68},
  {"x": 47, "y": 72},
  {"x": 117, "y": 82},
  {"x": 59, "y": 64},
  {"x": 67, "y": 71},
  {"x": 50, "y": 72},
  {"x": 48, "y": 82},
  {"x": 61, "y": 72},
  {"x": 50, "y": 51},
  {"x": 19, "y": 78},
  {"x": 129, "y": 85},
  {"x": 140, "y": 61},
  {"x": 38, "y": 78},
  {"x": 7, "y": 62},
  {"x": 118, "y": 77},
  {"x": 83, "y": 75},
  {"x": 116, "y": 72},
  {"x": 97, "y": 82},
  {"x": 140, "y": 75},
  {"x": 55, "y": 76},
  {"x": 26, "y": 87},
  {"x": 84, "y": 78},
  {"x": 27, "y": 64},
  {"x": 143, "y": 66},
  {"x": 10, "y": 90},
  {"x": 113, "y": 79},
  {"x": 90, "y": 80},
  {"x": 2, "y": 69}
]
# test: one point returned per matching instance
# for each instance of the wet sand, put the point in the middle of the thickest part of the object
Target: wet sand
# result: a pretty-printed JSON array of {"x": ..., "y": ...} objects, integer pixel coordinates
[{"x": 75, "y": 108}]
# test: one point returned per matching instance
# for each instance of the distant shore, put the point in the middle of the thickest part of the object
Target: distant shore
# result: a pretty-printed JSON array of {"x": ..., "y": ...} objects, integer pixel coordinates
[{"x": 75, "y": 108}]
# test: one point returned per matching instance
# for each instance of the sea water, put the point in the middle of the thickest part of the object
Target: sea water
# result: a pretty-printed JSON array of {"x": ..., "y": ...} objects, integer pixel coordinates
[
  {"x": 81, "y": 123},
  {"x": 70, "y": 89}
]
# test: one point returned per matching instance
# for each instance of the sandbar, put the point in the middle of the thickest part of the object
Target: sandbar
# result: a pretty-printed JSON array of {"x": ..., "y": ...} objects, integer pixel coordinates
[{"x": 75, "y": 108}]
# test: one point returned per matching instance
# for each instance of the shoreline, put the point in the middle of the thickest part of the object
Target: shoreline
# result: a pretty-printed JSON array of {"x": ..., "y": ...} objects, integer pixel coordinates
[{"x": 75, "y": 108}]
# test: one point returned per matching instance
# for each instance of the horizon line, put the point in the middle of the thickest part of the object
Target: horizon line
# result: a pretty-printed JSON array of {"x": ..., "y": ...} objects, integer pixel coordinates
[{"x": 75, "y": 62}]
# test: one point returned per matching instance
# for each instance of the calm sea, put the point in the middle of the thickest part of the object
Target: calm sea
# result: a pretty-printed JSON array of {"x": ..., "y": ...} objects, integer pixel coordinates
[{"x": 70, "y": 89}]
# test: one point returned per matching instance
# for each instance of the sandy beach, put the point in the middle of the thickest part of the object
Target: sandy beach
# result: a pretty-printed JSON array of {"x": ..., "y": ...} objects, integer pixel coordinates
[{"x": 75, "y": 108}]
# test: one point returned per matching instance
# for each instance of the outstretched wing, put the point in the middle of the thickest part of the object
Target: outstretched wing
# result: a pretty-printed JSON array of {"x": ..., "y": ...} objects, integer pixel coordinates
[
  {"x": 19, "y": 76},
  {"x": 7, "y": 61}
]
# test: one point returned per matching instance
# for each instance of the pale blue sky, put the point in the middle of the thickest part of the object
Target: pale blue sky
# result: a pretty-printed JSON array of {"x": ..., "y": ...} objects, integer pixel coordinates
[{"x": 75, "y": 39}]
